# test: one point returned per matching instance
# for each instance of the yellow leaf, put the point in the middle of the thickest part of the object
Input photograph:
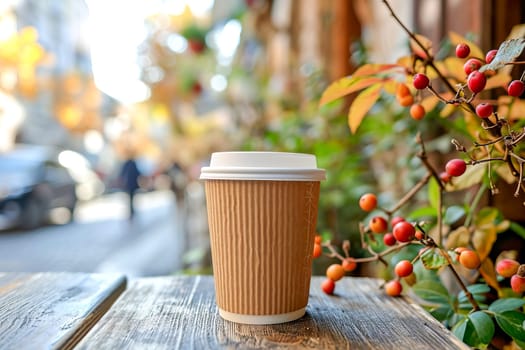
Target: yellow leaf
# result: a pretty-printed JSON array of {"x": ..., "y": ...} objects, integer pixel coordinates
[
  {"x": 458, "y": 238},
  {"x": 472, "y": 176},
  {"x": 498, "y": 80},
  {"x": 390, "y": 85},
  {"x": 483, "y": 240},
  {"x": 505, "y": 174},
  {"x": 361, "y": 105},
  {"x": 475, "y": 51},
  {"x": 454, "y": 68},
  {"x": 406, "y": 61},
  {"x": 429, "y": 103},
  {"x": 517, "y": 109},
  {"x": 447, "y": 111},
  {"x": 345, "y": 86},
  {"x": 418, "y": 51},
  {"x": 371, "y": 69},
  {"x": 488, "y": 272}
]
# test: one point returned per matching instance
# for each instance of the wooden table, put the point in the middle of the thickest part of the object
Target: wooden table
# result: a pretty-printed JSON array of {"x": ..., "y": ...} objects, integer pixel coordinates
[{"x": 179, "y": 312}]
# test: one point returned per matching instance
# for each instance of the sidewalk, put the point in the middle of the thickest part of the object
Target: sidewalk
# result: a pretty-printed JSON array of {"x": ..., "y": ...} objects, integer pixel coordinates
[{"x": 157, "y": 240}]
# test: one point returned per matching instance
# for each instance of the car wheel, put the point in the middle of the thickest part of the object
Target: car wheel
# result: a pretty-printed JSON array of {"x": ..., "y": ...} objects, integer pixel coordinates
[{"x": 33, "y": 214}]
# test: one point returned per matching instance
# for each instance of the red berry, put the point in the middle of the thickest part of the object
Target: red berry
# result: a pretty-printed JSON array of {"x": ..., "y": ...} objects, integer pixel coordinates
[
  {"x": 490, "y": 55},
  {"x": 456, "y": 167},
  {"x": 445, "y": 177},
  {"x": 368, "y": 202},
  {"x": 318, "y": 239},
  {"x": 318, "y": 250},
  {"x": 395, "y": 220},
  {"x": 328, "y": 286},
  {"x": 462, "y": 50},
  {"x": 417, "y": 112},
  {"x": 389, "y": 239},
  {"x": 517, "y": 283},
  {"x": 516, "y": 88},
  {"x": 469, "y": 259},
  {"x": 378, "y": 224},
  {"x": 404, "y": 231},
  {"x": 476, "y": 81},
  {"x": 349, "y": 264},
  {"x": 403, "y": 268},
  {"x": 335, "y": 272},
  {"x": 420, "y": 81},
  {"x": 507, "y": 267},
  {"x": 393, "y": 288},
  {"x": 484, "y": 110},
  {"x": 419, "y": 235},
  {"x": 472, "y": 65}
]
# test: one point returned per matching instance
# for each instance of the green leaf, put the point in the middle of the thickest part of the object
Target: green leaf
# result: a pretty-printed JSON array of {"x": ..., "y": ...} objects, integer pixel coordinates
[
  {"x": 507, "y": 52},
  {"x": 511, "y": 322},
  {"x": 432, "y": 291},
  {"x": 433, "y": 193},
  {"x": 478, "y": 293},
  {"x": 483, "y": 325},
  {"x": 362, "y": 104},
  {"x": 433, "y": 259},
  {"x": 506, "y": 304},
  {"x": 460, "y": 328},
  {"x": 453, "y": 214},
  {"x": 423, "y": 212},
  {"x": 442, "y": 312},
  {"x": 520, "y": 230}
]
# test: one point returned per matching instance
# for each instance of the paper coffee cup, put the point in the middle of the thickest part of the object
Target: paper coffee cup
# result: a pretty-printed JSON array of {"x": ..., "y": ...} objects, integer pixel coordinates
[{"x": 262, "y": 215}]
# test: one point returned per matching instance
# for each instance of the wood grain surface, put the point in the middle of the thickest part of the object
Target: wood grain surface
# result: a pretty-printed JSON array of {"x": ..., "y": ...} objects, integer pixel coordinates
[
  {"x": 180, "y": 313},
  {"x": 53, "y": 310}
]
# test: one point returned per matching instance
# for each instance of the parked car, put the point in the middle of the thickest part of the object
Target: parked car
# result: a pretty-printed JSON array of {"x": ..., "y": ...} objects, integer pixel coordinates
[{"x": 34, "y": 180}]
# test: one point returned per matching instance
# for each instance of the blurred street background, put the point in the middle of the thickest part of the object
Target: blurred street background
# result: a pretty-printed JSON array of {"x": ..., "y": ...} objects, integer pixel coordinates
[{"x": 101, "y": 101}]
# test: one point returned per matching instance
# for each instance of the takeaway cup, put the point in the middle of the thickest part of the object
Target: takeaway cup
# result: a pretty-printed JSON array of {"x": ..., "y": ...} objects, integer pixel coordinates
[{"x": 262, "y": 215}]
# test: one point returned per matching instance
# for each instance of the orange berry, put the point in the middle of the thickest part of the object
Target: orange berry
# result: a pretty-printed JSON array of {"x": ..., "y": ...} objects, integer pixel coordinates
[
  {"x": 419, "y": 235},
  {"x": 328, "y": 286},
  {"x": 402, "y": 90},
  {"x": 417, "y": 111},
  {"x": 378, "y": 224},
  {"x": 318, "y": 239},
  {"x": 469, "y": 259},
  {"x": 318, "y": 250},
  {"x": 393, "y": 288},
  {"x": 507, "y": 267},
  {"x": 406, "y": 101},
  {"x": 335, "y": 272},
  {"x": 368, "y": 202},
  {"x": 349, "y": 264},
  {"x": 403, "y": 268}
]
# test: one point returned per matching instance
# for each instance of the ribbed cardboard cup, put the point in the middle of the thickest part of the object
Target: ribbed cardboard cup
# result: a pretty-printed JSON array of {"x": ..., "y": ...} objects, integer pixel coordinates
[{"x": 262, "y": 215}]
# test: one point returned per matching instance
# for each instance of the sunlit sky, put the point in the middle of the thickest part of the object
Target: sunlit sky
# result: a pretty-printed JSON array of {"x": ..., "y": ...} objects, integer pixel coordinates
[{"x": 116, "y": 28}]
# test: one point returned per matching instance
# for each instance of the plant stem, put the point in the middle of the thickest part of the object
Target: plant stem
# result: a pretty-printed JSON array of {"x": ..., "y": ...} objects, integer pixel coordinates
[
  {"x": 474, "y": 203},
  {"x": 440, "y": 216},
  {"x": 375, "y": 257},
  {"x": 429, "y": 60},
  {"x": 460, "y": 281},
  {"x": 410, "y": 193}
]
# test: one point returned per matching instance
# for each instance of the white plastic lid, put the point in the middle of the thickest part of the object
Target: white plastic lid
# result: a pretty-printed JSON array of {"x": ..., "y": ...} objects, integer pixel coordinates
[{"x": 279, "y": 166}]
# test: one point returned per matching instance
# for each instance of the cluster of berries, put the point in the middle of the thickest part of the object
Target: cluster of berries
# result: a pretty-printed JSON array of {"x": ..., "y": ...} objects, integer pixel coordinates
[
  {"x": 476, "y": 82},
  {"x": 510, "y": 268}
]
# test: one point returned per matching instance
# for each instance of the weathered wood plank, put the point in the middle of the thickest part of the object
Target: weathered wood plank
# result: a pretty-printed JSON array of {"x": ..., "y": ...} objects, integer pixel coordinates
[
  {"x": 53, "y": 310},
  {"x": 180, "y": 313}
]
